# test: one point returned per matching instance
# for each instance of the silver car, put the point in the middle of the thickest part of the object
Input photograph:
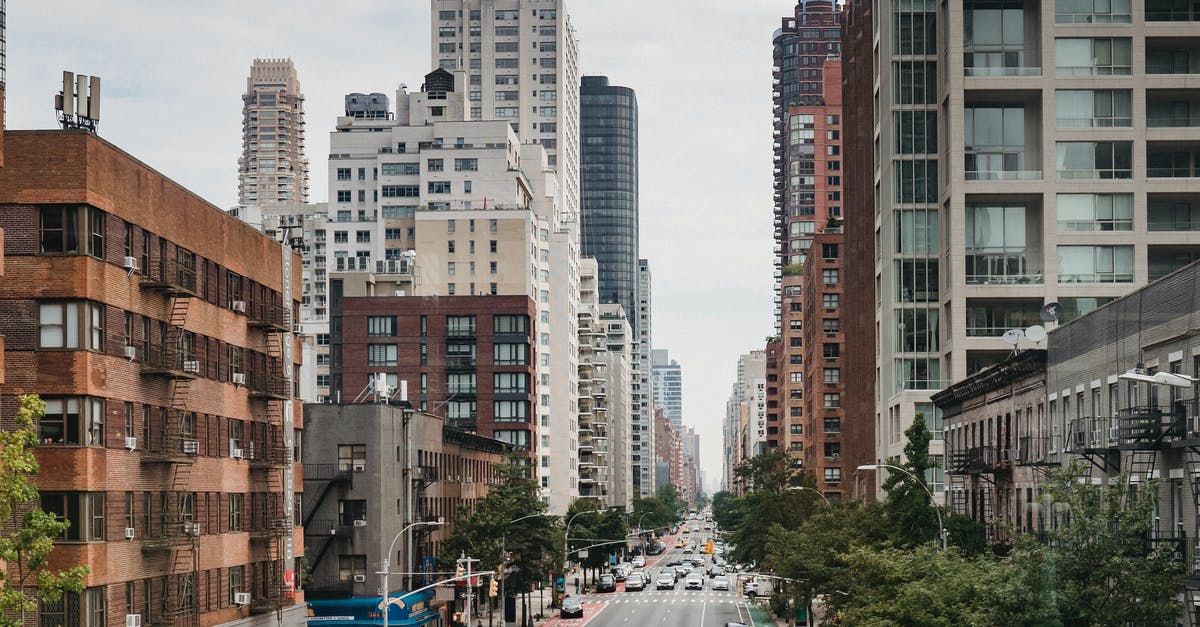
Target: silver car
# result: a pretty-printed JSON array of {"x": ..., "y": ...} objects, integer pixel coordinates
[{"x": 720, "y": 582}]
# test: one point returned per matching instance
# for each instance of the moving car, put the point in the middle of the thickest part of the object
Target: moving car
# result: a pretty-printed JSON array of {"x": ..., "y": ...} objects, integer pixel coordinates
[
  {"x": 720, "y": 582},
  {"x": 694, "y": 582},
  {"x": 635, "y": 581},
  {"x": 572, "y": 607},
  {"x": 606, "y": 583},
  {"x": 665, "y": 581},
  {"x": 674, "y": 562},
  {"x": 750, "y": 589},
  {"x": 621, "y": 572},
  {"x": 639, "y": 562},
  {"x": 658, "y": 548},
  {"x": 682, "y": 571}
]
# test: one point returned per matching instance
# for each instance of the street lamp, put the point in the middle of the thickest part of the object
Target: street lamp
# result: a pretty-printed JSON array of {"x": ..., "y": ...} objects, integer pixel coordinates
[
  {"x": 813, "y": 490},
  {"x": 387, "y": 562},
  {"x": 932, "y": 501},
  {"x": 566, "y": 537}
]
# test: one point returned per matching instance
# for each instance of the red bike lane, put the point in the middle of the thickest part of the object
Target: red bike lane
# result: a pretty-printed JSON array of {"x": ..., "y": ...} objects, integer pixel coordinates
[{"x": 590, "y": 610}]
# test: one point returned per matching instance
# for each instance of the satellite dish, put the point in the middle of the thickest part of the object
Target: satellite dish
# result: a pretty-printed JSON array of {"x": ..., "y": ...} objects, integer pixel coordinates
[
  {"x": 1012, "y": 336},
  {"x": 1036, "y": 333},
  {"x": 1051, "y": 312}
]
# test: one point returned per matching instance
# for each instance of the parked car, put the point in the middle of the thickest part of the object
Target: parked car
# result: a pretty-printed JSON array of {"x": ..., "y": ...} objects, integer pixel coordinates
[
  {"x": 720, "y": 582},
  {"x": 635, "y": 581},
  {"x": 665, "y": 581},
  {"x": 694, "y": 582},
  {"x": 572, "y": 607},
  {"x": 750, "y": 589},
  {"x": 606, "y": 583}
]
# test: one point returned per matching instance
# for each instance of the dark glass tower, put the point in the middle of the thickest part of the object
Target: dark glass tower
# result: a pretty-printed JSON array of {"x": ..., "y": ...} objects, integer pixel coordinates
[{"x": 608, "y": 183}]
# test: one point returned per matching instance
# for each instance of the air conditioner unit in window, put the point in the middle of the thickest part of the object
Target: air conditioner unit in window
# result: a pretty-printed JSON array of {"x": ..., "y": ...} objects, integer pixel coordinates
[
  {"x": 297, "y": 329},
  {"x": 360, "y": 579},
  {"x": 239, "y": 378},
  {"x": 131, "y": 264},
  {"x": 241, "y": 598},
  {"x": 191, "y": 529},
  {"x": 191, "y": 447},
  {"x": 130, "y": 532},
  {"x": 360, "y": 523},
  {"x": 236, "y": 453},
  {"x": 131, "y": 354},
  {"x": 133, "y": 620},
  {"x": 192, "y": 366},
  {"x": 238, "y": 306},
  {"x": 360, "y": 467},
  {"x": 131, "y": 443}
]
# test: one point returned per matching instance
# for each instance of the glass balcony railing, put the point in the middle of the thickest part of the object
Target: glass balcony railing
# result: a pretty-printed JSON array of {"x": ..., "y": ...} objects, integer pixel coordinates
[
  {"x": 1003, "y": 175},
  {"x": 1173, "y": 121},
  {"x": 1000, "y": 267}
]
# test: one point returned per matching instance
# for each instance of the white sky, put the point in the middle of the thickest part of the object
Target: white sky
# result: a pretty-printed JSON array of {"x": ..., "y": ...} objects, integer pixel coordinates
[{"x": 174, "y": 72}]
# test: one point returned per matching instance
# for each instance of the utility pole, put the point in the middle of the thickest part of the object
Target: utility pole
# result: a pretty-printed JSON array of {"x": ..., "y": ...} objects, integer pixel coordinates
[{"x": 470, "y": 592}]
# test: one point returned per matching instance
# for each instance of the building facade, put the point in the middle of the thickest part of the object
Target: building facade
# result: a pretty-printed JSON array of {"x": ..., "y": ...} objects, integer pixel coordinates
[
  {"x": 617, "y": 403},
  {"x": 273, "y": 168},
  {"x": 799, "y": 49},
  {"x": 522, "y": 60},
  {"x": 162, "y": 347},
  {"x": 642, "y": 454},
  {"x": 609, "y": 189},
  {"x": 373, "y": 468},
  {"x": 1084, "y": 111},
  {"x": 668, "y": 385},
  {"x": 745, "y": 430}
]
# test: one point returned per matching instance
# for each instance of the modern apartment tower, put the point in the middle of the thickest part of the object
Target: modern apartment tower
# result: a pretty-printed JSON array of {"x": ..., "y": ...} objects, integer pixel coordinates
[
  {"x": 522, "y": 60},
  {"x": 642, "y": 423},
  {"x": 609, "y": 189},
  {"x": 273, "y": 168},
  {"x": 1051, "y": 158},
  {"x": 668, "y": 386},
  {"x": 800, "y": 46}
]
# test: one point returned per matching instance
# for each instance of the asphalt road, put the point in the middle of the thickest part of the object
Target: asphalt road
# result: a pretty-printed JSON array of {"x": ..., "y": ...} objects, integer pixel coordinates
[{"x": 661, "y": 608}]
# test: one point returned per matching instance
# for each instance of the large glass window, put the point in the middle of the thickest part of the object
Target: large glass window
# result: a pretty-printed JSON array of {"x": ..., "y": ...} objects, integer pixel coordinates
[
  {"x": 381, "y": 326},
  {"x": 77, "y": 421},
  {"x": 511, "y": 382},
  {"x": 917, "y": 280},
  {"x": 510, "y": 411},
  {"x": 915, "y": 82},
  {"x": 917, "y": 330},
  {"x": 72, "y": 229},
  {"x": 460, "y": 326},
  {"x": 1091, "y": 11},
  {"x": 916, "y": 231},
  {"x": 915, "y": 32},
  {"x": 1094, "y": 160},
  {"x": 916, "y": 181},
  {"x": 994, "y": 37},
  {"x": 1093, "y": 108},
  {"x": 1095, "y": 264},
  {"x": 1093, "y": 57},
  {"x": 510, "y": 324},
  {"x": 1095, "y": 212},
  {"x": 996, "y": 245},
  {"x": 381, "y": 355},
  {"x": 995, "y": 141},
  {"x": 920, "y": 373},
  {"x": 71, "y": 325},
  {"x": 916, "y": 132},
  {"x": 83, "y": 510},
  {"x": 510, "y": 354},
  {"x": 460, "y": 383}
]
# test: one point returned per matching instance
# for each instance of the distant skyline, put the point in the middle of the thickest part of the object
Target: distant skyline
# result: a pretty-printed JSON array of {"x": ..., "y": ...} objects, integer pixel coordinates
[{"x": 702, "y": 72}]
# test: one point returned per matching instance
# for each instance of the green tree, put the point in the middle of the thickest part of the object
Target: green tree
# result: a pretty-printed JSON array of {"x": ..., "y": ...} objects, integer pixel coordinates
[
  {"x": 908, "y": 507},
  {"x": 770, "y": 502},
  {"x": 28, "y": 537},
  {"x": 590, "y": 527},
  {"x": 726, "y": 510}
]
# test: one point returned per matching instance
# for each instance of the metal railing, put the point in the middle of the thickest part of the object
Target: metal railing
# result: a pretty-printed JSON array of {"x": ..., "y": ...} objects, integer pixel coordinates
[
  {"x": 171, "y": 275},
  {"x": 1003, "y": 175}
]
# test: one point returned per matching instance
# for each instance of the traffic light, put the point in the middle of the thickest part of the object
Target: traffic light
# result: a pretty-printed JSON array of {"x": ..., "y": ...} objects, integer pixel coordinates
[{"x": 493, "y": 588}]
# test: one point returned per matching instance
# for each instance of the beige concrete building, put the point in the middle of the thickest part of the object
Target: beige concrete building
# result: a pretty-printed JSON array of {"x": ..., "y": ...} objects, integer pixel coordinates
[
  {"x": 1027, "y": 153},
  {"x": 272, "y": 169}
]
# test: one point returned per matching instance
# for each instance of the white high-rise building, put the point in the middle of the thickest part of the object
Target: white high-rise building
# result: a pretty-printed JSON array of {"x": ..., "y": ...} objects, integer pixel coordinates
[
  {"x": 642, "y": 421},
  {"x": 522, "y": 63},
  {"x": 618, "y": 378}
]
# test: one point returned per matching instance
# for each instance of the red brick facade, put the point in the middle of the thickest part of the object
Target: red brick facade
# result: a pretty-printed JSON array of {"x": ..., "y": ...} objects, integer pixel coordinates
[
  {"x": 828, "y": 453},
  {"x": 170, "y": 376},
  {"x": 423, "y": 356}
]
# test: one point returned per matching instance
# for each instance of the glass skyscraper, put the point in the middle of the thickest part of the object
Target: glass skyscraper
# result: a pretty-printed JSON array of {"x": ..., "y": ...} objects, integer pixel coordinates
[{"x": 609, "y": 189}]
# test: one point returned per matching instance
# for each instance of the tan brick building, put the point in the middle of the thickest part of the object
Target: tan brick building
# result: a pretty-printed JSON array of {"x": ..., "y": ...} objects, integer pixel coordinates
[{"x": 157, "y": 330}]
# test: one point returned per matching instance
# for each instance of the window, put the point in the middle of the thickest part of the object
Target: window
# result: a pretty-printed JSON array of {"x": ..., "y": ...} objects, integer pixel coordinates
[
  {"x": 400, "y": 169},
  {"x": 1091, "y": 12},
  {"x": 460, "y": 383},
  {"x": 831, "y": 350},
  {"x": 234, "y": 508},
  {"x": 381, "y": 354},
  {"x": 829, "y": 301},
  {"x": 1094, "y": 160},
  {"x": 1093, "y": 57},
  {"x": 511, "y": 382},
  {"x": 831, "y": 325},
  {"x": 75, "y": 421},
  {"x": 83, "y": 510},
  {"x": 995, "y": 141},
  {"x": 1093, "y": 108},
  {"x": 510, "y": 411},
  {"x": 351, "y": 566},
  {"x": 833, "y": 375},
  {"x": 400, "y": 191},
  {"x": 341, "y": 237},
  {"x": 343, "y": 174},
  {"x": 350, "y": 510},
  {"x": 439, "y": 187},
  {"x": 237, "y": 581},
  {"x": 1095, "y": 264},
  {"x": 72, "y": 229},
  {"x": 1095, "y": 212},
  {"x": 510, "y": 324},
  {"x": 511, "y": 354},
  {"x": 460, "y": 326},
  {"x": 833, "y": 400},
  {"x": 344, "y": 195},
  {"x": 833, "y": 449},
  {"x": 466, "y": 165},
  {"x": 829, "y": 251},
  {"x": 381, "y": 326},
  {"x": 829, "y": 277},
  {"x": 515, "y": 438},
  {"x": 362, "y": 237},
  {"x": 83, "y": 609},
  {"x": 77, "y": 324},
  {"x": 351, "y": 455}
]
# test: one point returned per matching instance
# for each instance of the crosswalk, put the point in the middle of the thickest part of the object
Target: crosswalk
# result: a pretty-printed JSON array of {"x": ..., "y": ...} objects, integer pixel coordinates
[{"x": 677, "y": 596}]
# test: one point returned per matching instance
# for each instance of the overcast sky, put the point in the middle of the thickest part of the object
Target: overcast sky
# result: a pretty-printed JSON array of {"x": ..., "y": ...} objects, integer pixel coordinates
[{"x": 174, "y": 72}]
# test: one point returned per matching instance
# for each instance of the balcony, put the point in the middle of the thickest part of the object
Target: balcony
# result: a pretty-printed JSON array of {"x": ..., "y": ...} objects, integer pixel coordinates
[
  {"x": 1003, "y": 266},
  {"x": 1163, "y": 260},
  {"x": 1173, "y": 108},
  {"x": 1173, "y": 212},
  {"x": 1172, "y": 55},
  {"x": 460, "y": 363},
  {"x": 1172, "y": 11},
  {"x": 1172, "y": 160},
  {"x": 171, "y": 362},
  {"x": 1033, "y": 451},
  {"x": 171, "y": 276},
  {"x": 992, "y": 317},
  {"x": 269, "y": 316}
]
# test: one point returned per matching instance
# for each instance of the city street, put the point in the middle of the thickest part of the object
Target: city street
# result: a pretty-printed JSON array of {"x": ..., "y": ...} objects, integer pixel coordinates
[{"x": 666, "y": 608}]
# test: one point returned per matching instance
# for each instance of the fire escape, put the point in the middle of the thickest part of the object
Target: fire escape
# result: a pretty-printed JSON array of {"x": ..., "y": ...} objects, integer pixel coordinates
[
  {"x": 320, "y": 534},
  {"x": 270, "y": 522},
  {"x": 1187, "y": 426},
  {"x": 172, "y": 538},
  {"x": 973, "y": 476}
]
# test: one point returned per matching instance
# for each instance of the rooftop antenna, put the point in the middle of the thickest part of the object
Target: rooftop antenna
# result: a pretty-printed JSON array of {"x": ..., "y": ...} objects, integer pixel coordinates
[{"x": 78, "y": 104}]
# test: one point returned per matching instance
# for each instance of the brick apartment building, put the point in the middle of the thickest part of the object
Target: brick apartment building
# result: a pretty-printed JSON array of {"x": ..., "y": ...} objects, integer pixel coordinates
[
  {"x": 465, "y": 358},
  {"x": 157, "y": 330}
]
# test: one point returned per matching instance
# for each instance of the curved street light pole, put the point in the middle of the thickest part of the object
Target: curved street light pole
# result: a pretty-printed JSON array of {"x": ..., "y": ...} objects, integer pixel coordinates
[
  {"x": 566, "y": 536},
  {"x": 932, "y": 501},
  {"x": 813, "y": 490},
  {"x": 503, "y": 559},
  {"x": 387, "y": 562}
]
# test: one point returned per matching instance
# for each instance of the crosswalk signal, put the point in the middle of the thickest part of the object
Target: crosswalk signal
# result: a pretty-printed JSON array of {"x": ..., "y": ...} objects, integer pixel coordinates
[{"x": 493, "y": 589}]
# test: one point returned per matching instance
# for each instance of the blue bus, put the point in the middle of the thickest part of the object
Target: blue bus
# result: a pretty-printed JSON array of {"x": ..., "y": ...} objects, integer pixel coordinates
[{"x": 365, "y": 612}]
